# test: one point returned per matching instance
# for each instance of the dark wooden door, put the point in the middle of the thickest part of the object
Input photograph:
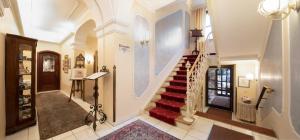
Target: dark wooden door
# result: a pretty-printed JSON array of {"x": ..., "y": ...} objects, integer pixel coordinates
[
  {"x": 219, "y": 83},
  {"x": 48, "y": 71}
]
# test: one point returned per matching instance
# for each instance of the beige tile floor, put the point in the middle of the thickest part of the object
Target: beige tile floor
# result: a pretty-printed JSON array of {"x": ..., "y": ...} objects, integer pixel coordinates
[{"x": 199, "y": 130}]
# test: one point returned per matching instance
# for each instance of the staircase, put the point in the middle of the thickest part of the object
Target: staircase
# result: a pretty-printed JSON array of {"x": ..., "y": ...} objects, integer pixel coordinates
[{"x": 169, "y": 104}]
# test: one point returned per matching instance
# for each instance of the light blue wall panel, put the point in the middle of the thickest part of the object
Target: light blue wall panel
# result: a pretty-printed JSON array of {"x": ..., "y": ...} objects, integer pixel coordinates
[
  {"x": 271, "y": 69},
  {"x": 295, "y": 69},
  {"x": 169, "y": 39},
  {"x": 141, "y": 57}
]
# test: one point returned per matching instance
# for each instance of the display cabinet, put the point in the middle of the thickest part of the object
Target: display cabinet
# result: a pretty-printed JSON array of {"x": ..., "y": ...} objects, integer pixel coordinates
[{"x": 20, "y": 58}]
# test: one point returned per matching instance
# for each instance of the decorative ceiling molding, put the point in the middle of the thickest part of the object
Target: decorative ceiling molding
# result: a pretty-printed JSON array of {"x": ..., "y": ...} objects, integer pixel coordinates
[
  {"x": 72, "y": 11},
  {"x": 78, "y": 44},
  {"x": 16, "y": 14},
  {"x": 1, "y": 10},
  {"x": 5, "y": 3},
  {"x": 240, "y": 57},
  {"x": 111, "y": 26}
]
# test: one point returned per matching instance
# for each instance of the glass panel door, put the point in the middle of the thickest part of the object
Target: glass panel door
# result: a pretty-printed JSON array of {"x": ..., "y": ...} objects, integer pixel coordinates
[
  {"x": 220, "y": 87},
  {"x": 24, "y": 76}
]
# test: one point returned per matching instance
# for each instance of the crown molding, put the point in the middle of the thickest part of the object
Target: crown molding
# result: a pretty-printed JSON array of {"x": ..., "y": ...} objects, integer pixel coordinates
[
  {"x": 240, "y": 57},
  {"x": 5, "y": 3},
  {"x": 1, "y": 10},
  {"x": 111, "y": 26}
]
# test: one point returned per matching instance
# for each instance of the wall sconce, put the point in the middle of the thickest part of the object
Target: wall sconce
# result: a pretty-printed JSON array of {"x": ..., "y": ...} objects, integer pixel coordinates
[
  {"x": 250, "y": 76},
  {"x": 278, "y": 9},
  {"x": 89, "y": 58},
  {"x": 145, "y": 41}
]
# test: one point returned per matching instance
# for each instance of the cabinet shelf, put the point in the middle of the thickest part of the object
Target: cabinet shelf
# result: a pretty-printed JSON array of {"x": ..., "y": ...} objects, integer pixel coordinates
[{"x": 25, "y": 74}]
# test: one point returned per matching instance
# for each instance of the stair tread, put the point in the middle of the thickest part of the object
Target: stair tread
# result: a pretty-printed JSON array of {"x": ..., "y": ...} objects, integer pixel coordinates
[
  {"x": 177, "y": 87},
  {"x": 174, "y": 94},
  {"x": 178, "y": 81},
  {"x": 170, "y": 103},
  {"x": 190, "y": 55},
  {"x": 179, "y": 75},
  {"x": 165, "y": 112}
]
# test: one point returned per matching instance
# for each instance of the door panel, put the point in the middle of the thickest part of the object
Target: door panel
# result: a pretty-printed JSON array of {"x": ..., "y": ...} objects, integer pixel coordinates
[
  {"x": 220, "y": 87},
  {"x": 48, "y": 71}
]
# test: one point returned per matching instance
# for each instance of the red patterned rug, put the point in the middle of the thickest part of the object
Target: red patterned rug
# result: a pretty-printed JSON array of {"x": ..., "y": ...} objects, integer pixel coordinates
[{"x": 138, "y": 130}]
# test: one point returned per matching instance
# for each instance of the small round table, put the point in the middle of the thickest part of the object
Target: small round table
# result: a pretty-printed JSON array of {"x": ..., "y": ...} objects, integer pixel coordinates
[{"x": 246, "y": 111}]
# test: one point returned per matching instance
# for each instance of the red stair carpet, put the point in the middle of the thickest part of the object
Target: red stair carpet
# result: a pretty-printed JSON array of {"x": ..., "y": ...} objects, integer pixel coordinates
[{"x": 168, "y": 107}]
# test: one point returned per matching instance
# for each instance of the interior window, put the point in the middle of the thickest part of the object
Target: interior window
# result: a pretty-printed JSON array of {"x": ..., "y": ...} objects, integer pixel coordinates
[{"x": 208, "y": 26}]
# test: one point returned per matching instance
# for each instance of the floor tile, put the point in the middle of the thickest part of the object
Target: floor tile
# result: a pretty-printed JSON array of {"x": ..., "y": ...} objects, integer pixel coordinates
[
  {"x": 197, "y": 134},
  {"x": 164, "y": 126},
  {"x": 241, "y": 130},
  {"x": 259, "y": 136},
  {"x": 71, "y": 137},
  {"x": 222, "y": 124},
  {"x": 189, "y": 138},
  {"x": 33, "y": 133},
  {"x": 63, "y": 136},
  {"x": 103, "y": 130},
  {"x": 152, "y": 121},
  {"x": 79, "y": 129},
  {"x": 203, "y": 127},
  {"x": 21, "y": 135},
  {"x": 178, "y": 132},
  {"x": 86, "y": 134}
]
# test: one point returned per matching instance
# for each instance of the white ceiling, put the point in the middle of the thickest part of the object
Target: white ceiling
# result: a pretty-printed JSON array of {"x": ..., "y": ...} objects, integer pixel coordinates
[
  {"x": 240, "y": 32},
  {"x": 198, "y": 3},
  {"x": 154, "y": 5},
  {"x": 50, "y": 20}
]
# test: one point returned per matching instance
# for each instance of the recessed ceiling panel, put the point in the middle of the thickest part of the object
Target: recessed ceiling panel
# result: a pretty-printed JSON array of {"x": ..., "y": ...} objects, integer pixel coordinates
[{"x": 50, "y": 20}]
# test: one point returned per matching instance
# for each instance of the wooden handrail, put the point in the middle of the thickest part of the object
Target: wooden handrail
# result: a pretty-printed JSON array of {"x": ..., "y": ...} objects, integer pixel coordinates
[{"x": 263, "y": 91}]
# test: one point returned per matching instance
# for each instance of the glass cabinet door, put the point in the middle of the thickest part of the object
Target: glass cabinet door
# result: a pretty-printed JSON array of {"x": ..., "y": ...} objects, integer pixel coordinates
[{"x": 24, "y": 91}]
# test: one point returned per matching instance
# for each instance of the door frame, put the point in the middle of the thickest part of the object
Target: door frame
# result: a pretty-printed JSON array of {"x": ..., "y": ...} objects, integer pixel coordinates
[
  {"x": 38, "y": 67},
  {"x": 232, "y": 74}
]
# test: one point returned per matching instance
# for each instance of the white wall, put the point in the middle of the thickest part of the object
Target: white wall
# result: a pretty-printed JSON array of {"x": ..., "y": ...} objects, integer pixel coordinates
[
  {"x": 243, "y": 68},
  {"x": 2, "y": 85},
  {"x": 281, "y": 122},
  {"x": 7, "y": 25},
  {"x": 128, "y": 104},
  {"x": 48, "y": 46}
]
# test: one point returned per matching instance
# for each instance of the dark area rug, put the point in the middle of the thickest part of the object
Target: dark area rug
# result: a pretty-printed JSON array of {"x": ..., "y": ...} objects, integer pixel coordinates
[
  {"x": 220, "y": 133},
  {"x": 221, "y": 101},
  {"x": 56, "y": 115},
  {"x": 220, "y": 112},
  {"x": 138, "y": 130},
  {"x": 218, "y": 116}
]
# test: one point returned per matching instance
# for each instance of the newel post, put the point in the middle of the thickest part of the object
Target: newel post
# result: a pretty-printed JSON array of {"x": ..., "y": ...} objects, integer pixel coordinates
[{"x": 188, "y": 117}]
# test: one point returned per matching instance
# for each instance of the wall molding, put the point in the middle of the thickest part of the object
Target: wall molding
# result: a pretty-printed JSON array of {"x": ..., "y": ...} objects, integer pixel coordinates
[
  {"x": 111, "y": 26},
  {"x": 4, "y": 4},
  {"x": 240, "y": 57}
]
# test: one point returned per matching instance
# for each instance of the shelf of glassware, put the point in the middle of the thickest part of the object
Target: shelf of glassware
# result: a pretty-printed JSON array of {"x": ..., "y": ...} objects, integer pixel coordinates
[{"x": 25, "y": 104}]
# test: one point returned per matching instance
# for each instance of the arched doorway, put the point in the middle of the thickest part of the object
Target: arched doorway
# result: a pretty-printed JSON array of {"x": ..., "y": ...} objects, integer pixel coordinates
[
  {"x": 48, "y": 71},
  {"x": 87, "y": 42}
]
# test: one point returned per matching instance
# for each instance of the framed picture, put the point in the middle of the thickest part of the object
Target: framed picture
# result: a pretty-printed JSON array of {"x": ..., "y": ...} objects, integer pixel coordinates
[
  {"x": 66, "y": 64},
  {"x": 243, "y": 82},
  {"x": 78, "y": 73}
]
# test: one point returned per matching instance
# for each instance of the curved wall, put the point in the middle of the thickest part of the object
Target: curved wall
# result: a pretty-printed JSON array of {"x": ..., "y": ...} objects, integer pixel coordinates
[
  {"x": 295, "y": 70},
  {"x": 271, "y": 69},
  {"x": 141, "y": 56}
]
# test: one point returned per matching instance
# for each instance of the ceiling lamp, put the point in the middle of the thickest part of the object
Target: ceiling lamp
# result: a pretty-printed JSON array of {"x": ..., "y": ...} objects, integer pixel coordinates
[{"x": 278, "y": 9}]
